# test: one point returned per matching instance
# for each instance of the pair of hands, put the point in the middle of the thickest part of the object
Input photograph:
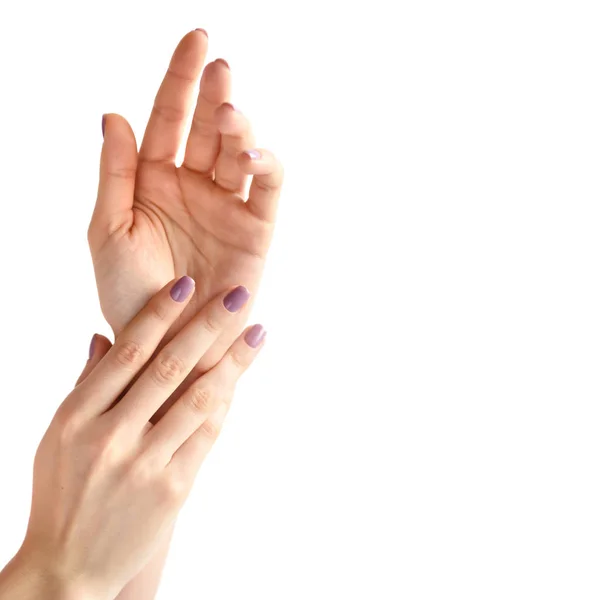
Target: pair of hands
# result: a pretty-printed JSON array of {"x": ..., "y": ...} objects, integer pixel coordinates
[
  {"x": 107, "y": 483},
  {"x": 120, "y": 455}
]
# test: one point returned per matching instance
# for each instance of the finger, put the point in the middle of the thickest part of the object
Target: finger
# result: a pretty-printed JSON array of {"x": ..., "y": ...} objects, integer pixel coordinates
[
  {"x": 118, "y": 165},
  {"x": 198, "y": 403},
  {"x": 236, "y": 136},
  {"x": 204, "y": 140},
  {"x": 135, "y": 345},
  {"x": 175, "y": 361},
  {"x": 188, "y": 459},
  {"x": 266, "y": 183},
  {"x": 174, "y": 99},
  {"x": 99, "y": 346}
]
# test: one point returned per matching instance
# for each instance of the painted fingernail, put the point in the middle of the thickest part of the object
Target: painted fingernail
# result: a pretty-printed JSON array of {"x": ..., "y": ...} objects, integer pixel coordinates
[
  {"x": 233, "y": 107},
  {"x": 236, "y": 298},
  {"x": 182, "y": 289},
  {"x": 253, "y": 154},
  {"x": 92, "y": 345},
  {"x": 255, "y": 335},
  {"x": 103, "y": 124},
  {"x": 202, "y": 30},
  {"x": 222, "y": 60}
]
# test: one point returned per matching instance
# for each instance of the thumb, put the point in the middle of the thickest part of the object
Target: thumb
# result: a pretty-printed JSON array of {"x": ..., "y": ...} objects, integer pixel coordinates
[
  {"x": 118, "y": 165},
  {"x": 98, "y": 348}
]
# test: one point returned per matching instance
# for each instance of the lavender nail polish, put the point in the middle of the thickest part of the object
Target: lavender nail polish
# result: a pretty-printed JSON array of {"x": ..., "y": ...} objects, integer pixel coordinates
[
  {"x": 236, "y": 298},
  {"x": 255, "y": 335},
  {"x": 182, "y": 289},
  {"x": 222, "y": 60},
  {"x": 202, "y": 30},
  {"x": 253, "y": 154},
  {"x": 103, "y": 124},
  {"x": 92, "y": 346}
]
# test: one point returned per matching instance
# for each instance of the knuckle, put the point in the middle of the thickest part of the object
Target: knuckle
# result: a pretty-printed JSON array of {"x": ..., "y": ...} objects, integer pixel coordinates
[
  {"x": 172, "y": 489},
  {"x": 129, "y": 354},
  {"x": 143, "y": 472},
  {"x": 203, "y": 128},
  {"x": 210, "y": 429},
  {"x": 212, "y": 323},
  {"x": 181, "y": 76},
  {"x": 170, "y": 114},
  {"x": 126, "y": 173},
  {"x": 200, "y": 399},
  {"x": 105, "y": 451},
  {"x": 240, "y": 360},
  {"x": 265, "y": 185},
  {"x": 159, "y": 310},
  {"x": 167, "y": 368},
  {"x": 68, "y": 428}
]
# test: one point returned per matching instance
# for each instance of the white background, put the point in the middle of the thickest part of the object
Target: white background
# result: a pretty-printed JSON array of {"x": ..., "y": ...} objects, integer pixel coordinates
[{"x": 424, "y": 421}]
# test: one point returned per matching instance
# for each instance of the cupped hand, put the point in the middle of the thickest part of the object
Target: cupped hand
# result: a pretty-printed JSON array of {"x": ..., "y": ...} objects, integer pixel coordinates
[
  {"x": 107, "y": 483},
  {"x": 154, "y": 221}
]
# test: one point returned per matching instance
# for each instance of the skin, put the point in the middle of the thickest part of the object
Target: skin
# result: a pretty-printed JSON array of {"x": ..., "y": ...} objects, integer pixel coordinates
[
  {"x": 154, "y": 221},
  {"x": 108, "y": 483},
  {"x": 211, "y": 218}
]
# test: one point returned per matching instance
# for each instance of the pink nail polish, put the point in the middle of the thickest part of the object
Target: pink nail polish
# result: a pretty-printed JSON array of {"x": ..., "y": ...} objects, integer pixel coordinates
[
  {"x": 253, "y": 154},
  {"x": 92, "y": 346},
  {"x": 255, "y": 335}
]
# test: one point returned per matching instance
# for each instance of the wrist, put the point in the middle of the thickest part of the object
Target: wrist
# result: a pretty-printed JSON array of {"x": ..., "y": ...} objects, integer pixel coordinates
[{"x": 28, "y": 578}]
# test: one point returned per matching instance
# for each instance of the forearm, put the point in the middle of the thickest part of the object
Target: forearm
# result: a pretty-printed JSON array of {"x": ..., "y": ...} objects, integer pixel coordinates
[{"x": 145, "y": 584}]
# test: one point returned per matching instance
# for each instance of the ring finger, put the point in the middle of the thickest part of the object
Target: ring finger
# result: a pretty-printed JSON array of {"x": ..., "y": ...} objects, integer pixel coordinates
[
  {"x": 204, "y": 140},
  {"x": 236, "y": 136},
  {"x": 197, "y": 412}
]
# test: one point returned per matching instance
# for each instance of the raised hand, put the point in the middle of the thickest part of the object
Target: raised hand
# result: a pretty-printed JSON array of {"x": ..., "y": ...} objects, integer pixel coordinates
[
  {"x": 108, "y": 484},
  {"x": 154, "y": 221}
]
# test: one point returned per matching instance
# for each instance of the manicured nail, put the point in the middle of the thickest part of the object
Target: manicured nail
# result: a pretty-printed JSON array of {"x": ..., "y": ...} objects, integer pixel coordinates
[
  {"x": 233, "y": 107},
  {"x": 236, "y": 298},
  {"x": 182, "y": 289},
  {"x": 255, "y": 335},
  {"x": 92, "y": 345},
  {"x": 103, "y": 124},
  {"x": 222, "y": 60},
  {"x": 253, "y": 154},
  {"x": 202, "y": 30}
]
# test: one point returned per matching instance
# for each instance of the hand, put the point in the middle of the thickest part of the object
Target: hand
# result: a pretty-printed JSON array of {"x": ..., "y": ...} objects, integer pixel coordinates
[
  {"x": 107, "y": 483},
  {"x": 154, "y": 221}
]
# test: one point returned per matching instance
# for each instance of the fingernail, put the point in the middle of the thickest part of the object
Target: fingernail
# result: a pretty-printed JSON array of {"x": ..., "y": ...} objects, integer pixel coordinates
[
  {"x": 253, "y": 154},
  {"x": 202, "y": 30},
  {"x": 255, "y": 335},
  {"x": 222, "y": 60},
  {"x": 92, "y": 346},
  {"x": 103, "y": 124},
  {"x": 236, "y": 298},
  {"x": 233, "y": 107},
  {"x": 182, "y": 289}
]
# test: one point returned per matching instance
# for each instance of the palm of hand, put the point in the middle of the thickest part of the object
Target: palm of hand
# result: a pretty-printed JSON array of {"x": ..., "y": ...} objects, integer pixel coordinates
[
  {"x": 154, "y": 221},
  {"x": 182, "y": 224}
]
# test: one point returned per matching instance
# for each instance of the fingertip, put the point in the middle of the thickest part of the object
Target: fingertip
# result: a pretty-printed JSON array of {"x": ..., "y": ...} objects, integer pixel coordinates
[
  {"x": 255, "y": 336},
  {"x": 182, "y": 288},
  {"x": 99, "y": 345},
  {"x": 253, "y": 154},
  {"x": 92, "y": 347}
]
